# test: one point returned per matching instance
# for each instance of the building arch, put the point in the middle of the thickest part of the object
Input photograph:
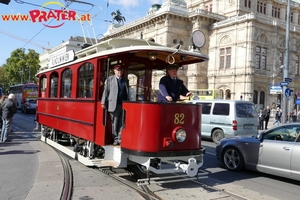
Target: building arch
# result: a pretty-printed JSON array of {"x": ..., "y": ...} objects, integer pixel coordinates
[
  {"x": 225, "y": 40},
  {"x": 223, "y": 89},
  {"x": 259, "y": 96},
  {"x": 262, "y": 38}
]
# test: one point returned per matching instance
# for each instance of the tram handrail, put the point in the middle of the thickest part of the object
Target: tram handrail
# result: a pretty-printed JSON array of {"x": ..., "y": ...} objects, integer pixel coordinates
[{"x": 147, "y": 88}]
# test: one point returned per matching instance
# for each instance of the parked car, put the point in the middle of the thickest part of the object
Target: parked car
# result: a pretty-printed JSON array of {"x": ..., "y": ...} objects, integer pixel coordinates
[
  {"x": 275, "y": 151},
  {"x": 227, "y": 118},
  {"x": 29, "y": 106}
]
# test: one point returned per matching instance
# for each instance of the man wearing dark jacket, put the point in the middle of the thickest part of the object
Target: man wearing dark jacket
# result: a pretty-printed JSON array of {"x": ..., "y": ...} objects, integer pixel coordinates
[
  {"x": 8, "y": 110},
  {"x": 172, "y": 89},
  {"x": 266, "y": 114}
]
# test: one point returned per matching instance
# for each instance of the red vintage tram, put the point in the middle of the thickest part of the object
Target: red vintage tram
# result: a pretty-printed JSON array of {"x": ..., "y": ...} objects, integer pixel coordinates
[{"x": 155, "y": 135}]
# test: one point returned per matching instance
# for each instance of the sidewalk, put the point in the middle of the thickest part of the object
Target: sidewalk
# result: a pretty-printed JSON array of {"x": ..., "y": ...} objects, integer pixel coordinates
[{"x": 30, "y": 169}]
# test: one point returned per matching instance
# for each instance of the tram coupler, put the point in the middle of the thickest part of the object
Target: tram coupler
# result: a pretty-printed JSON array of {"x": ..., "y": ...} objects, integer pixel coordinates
[{"x": 191, "y": 169}]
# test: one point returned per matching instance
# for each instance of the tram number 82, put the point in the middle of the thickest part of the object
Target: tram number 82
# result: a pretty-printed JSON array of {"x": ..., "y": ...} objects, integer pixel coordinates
[{"x": 179, "y": 118}]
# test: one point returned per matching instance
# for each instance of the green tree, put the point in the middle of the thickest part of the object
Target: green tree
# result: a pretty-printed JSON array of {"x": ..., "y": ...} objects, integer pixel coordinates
[
  {"x": 21, "y": 67},
  {"x": 117, "y": 16}
]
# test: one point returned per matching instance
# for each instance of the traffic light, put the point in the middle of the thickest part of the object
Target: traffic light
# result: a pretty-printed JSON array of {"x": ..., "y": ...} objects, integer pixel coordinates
[{"x": 5, "y": 1}]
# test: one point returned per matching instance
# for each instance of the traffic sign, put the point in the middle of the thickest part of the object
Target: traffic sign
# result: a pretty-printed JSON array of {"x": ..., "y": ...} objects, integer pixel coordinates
[
  {"x": 275, "y": 89},
  {"x": 288, "y": 79},
  {"x": 284, "y": 84},
  {"x": 287, "y": 92}
]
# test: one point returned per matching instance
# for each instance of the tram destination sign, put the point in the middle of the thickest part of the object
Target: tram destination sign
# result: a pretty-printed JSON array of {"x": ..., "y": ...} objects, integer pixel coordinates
[{"x": 61, "y": 58}]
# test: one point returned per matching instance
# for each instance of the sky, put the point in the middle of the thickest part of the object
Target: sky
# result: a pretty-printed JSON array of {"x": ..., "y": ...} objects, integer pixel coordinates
[{"x": 37, "y": 36}]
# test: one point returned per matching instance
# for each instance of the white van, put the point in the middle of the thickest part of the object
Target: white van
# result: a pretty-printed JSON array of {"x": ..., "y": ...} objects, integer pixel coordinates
[{"x": 226, "y": 118}]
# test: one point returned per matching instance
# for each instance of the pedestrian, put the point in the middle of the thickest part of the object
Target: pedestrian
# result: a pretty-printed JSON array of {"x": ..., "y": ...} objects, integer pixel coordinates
[
  {"x": 261, "y": 119},
  {"x": 294, "y": 115},
  {"x": 266, "y": 114},
  {"x": 277, "y": 117},
  {"x": 115, "y": 92},
  {"x": 280, "y": 114},
  {"x": 298, "y": 116},
  {"x": 9, "y": 108},
  {"x": 3, "y": 97},
  {"x": 171, "y": 88}
]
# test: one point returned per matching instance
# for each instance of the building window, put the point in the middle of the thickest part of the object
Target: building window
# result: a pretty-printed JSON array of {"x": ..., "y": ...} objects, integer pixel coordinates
[
  {"x": 297, "y": 70},
  {"x": 66, "y": 84},
  {"x": 262, "y": 99},
  {"x": 275, "y": 12},
  {"x": 292, "y": 17},
  {"x": 261, "y": 58},
  {"x": 261, "y": 7},
  {"x": 225, "y": 58},
  {"x": 221, "y": 94},
  {"x": 53, "y": 84},
  {"x": 255, "y": 97},
  {"x": 248, "y": 3},
  {"x": 86, "y": 81},
  {"x": 228, "y": 94},
  {"x": 208, "y": 7}
]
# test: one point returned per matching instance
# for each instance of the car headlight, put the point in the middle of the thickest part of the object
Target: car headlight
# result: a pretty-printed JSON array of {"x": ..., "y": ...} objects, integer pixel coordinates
[{"x": 180, "y": 135}]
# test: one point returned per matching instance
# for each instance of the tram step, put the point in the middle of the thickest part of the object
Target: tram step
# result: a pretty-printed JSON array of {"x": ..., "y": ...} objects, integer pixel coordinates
[{"x": 111, "y": 163}]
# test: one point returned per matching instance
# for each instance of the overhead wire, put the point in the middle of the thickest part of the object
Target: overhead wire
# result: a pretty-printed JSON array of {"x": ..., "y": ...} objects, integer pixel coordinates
[{"x": 24, "y": 2}]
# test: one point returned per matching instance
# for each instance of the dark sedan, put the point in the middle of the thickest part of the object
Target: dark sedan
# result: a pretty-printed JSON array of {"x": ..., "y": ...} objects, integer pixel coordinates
[
  {"x": 275, "y": 151},
  {"x": 29, "y": 106}
]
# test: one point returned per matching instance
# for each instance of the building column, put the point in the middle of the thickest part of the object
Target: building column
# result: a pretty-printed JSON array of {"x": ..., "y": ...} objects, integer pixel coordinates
[{"x": 269, "y": 8}]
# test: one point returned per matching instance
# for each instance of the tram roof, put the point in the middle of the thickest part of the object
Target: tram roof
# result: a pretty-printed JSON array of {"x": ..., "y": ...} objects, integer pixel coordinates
[{"x": 140, "y": 48}]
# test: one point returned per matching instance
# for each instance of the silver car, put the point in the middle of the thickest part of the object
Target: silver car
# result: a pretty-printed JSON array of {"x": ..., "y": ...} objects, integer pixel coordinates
[{"x": 275, "y": 151}]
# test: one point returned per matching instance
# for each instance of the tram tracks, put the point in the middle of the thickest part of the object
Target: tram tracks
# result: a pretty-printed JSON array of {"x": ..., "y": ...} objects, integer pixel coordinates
[
  {"x": 143, "y": 190},
  {"x": 68, "y": 177}
]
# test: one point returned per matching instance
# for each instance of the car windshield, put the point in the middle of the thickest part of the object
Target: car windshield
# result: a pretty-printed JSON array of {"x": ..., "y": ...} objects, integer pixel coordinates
[
  {"x": 288, "y": 133},
  {"x": 246, "y": 110},
  {"x": 31, "y": 101}
]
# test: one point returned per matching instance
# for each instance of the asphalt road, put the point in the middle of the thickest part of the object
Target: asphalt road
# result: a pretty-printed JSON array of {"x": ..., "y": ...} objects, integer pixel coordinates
[{"x": 247, "y": 184}]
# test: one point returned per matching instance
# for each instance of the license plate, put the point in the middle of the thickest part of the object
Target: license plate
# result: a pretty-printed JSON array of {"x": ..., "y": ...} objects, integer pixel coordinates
[{"x": 247, "y": 127}]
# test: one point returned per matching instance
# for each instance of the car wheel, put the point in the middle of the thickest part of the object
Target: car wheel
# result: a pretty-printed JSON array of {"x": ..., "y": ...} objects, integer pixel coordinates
[
  {"x": 22, "y": 110},
  {"x": 217, "y": 135},
  {"x": 233, "y": 159}
]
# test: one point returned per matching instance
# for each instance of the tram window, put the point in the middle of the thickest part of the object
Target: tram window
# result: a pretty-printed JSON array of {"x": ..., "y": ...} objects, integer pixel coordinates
[
  {"x": 53, "y": 84},
  {"x": 43, "y": 85},
  {"x": 66, "y": 85},
  {"x": 85, "y": 81}
]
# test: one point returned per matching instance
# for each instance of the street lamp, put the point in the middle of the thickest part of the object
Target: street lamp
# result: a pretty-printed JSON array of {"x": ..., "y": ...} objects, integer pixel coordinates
[{"x": 286, "y": 59}]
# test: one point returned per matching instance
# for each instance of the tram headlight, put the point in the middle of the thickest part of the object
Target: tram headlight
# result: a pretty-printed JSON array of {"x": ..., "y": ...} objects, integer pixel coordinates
[{"x": 180, "y": 135}]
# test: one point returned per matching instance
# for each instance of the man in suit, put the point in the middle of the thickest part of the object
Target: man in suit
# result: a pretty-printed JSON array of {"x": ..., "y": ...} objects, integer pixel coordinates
[
  {"x": 172, "y": 89},
  {"x": 266, "y": 114},
  {"x": 115, "y": 91}
]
